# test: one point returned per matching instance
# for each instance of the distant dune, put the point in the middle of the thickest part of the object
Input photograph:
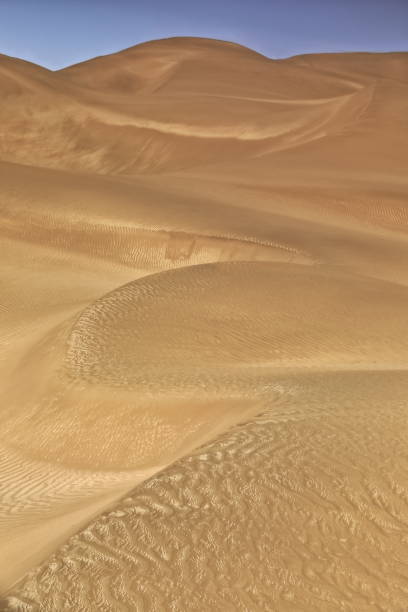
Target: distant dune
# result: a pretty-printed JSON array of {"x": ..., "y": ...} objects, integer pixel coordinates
[{"x": 204, "y": 348}]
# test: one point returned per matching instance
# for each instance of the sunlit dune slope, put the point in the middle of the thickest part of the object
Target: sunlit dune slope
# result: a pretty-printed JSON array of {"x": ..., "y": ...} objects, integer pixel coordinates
[{"x": 203, "y": 246}]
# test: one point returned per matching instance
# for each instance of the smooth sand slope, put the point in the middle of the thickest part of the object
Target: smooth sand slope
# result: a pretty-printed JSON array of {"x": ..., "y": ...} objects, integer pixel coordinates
[{"x": 204, "y": 331}]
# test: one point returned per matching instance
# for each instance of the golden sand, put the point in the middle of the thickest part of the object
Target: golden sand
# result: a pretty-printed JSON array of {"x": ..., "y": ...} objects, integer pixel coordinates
[{"x": 204, "y": 332}]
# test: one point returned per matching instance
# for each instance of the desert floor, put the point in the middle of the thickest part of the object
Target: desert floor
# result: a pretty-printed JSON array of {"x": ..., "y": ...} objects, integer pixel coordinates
[{"x": 204, "y": 332}]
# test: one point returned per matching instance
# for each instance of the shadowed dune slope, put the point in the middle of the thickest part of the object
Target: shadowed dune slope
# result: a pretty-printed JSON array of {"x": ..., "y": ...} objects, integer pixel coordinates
[{"x": 203, "y": 331}]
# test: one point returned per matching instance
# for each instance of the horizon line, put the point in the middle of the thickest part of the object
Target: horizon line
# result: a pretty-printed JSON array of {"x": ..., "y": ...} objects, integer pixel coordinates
[{"x": 231, "y": 42}]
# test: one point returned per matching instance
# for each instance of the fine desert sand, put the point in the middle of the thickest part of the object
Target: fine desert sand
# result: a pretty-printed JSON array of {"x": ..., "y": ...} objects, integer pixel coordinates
[{"x": 204, "y": 332}]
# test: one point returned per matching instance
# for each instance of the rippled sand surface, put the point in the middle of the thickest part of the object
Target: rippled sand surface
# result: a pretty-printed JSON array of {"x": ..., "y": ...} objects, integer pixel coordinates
[
  {"x": 296, "y": 509},
  {"x": 204, "y": 332}
]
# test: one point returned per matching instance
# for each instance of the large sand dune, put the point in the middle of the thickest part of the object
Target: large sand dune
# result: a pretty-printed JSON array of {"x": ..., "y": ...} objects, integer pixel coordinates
[{"x": 204, "y": 331}]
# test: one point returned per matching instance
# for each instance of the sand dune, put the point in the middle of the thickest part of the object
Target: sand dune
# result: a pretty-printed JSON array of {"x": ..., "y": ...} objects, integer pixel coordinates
[
  {"x": 94, "y": 121},
  {"x": 203, "y": 331}
]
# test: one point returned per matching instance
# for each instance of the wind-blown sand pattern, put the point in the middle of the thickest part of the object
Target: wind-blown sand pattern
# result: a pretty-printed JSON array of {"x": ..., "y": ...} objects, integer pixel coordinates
[{"x": 204, "y": 331}]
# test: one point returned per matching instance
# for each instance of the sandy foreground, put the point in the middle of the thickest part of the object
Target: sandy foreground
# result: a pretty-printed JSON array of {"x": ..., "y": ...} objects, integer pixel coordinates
[{"x": 204, "y": 332}]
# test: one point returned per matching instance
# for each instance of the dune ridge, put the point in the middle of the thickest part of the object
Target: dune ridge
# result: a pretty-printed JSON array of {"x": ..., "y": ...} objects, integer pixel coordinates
[{"x": 203, "y": 331}]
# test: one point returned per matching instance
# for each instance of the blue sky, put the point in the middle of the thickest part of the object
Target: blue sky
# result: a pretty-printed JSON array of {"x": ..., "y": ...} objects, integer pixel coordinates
[{"x": 56, "y": 33}]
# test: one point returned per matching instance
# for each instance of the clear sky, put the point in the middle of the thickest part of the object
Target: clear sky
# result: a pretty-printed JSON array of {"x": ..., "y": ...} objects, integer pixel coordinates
[{"x": 56, "y": 33}]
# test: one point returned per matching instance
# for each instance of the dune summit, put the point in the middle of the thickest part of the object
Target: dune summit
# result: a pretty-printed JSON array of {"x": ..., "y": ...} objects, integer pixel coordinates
[{"x": 204, "y": 349}]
